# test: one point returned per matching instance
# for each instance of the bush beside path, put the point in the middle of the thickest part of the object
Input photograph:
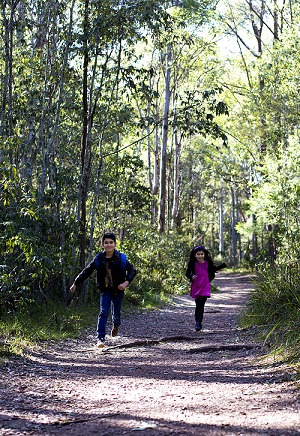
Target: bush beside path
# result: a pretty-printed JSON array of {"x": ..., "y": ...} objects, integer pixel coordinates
[{"x": 158, "y": 377}]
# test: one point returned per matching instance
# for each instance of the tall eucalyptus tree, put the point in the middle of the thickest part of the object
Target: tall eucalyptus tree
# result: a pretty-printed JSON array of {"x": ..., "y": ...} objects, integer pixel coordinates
[
  {"x": 259, "y": 28},
  {"x": 109, "y": 29},
  {"x": 184, "y": 107}
]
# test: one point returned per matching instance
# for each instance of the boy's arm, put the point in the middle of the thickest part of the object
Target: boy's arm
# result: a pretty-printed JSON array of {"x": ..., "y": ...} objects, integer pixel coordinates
[
  {"x": 131, "y": 273},
  {"x": 85, "y": 273},
  {"x": 124, "y": 285}
]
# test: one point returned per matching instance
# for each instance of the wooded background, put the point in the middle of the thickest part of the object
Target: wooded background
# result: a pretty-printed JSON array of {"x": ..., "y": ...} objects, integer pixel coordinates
[{"x": 169, "y": 123}]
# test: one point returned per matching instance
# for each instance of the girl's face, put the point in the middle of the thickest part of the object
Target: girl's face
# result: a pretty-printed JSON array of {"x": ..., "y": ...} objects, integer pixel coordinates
[{"x": 200, "y": 256}]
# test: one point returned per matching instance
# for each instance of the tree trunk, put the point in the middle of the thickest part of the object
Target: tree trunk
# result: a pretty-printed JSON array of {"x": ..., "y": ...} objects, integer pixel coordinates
[
  {"x": 175, "y": 211},
  {"x": 233, "y": 232},
  {"x": 7, "y": 109},
  {"x": 163, "y": 156},
  {"x": 221, "y": 225},
  {"x": 85, "y": 145}
]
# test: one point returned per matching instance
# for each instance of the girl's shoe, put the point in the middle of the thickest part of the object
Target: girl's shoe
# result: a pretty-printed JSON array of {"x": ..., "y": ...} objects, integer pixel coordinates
[{"x": 198, "y": 326}]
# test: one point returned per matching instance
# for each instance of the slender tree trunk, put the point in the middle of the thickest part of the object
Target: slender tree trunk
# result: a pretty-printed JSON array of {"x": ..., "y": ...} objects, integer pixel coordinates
[
  {"x": 100, "y": 164},
  {"x": 233, "y": 223},
  {"x": 212, "y": 237},
  {"x": 175, "y": 211},
  {"x": 7, "y": 109},
  {"x": 155, "y": 183},
  {"x": 238, "y": 236},
  {"x": 41, "y": 140},
  {"x": 163, "y": 155},
  {"x": 221, "y": 225},
  {"x": 48, "y": 167},
  {"x": 85, "y": 145}
]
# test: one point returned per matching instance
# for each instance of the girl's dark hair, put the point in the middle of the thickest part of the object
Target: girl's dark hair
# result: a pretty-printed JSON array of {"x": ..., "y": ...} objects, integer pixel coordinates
[{"x": 207, "y": 255}]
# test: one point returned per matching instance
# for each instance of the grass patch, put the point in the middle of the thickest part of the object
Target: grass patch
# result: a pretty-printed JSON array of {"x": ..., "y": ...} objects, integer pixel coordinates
[
  {"x": 54, "y": 322},
  {"x": 273, "y": 312}
]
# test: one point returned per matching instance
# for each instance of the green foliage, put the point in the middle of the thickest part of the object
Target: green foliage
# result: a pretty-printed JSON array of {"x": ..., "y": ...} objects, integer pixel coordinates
[
  {"x": 53, "y": 321},
  {"x": 274, "y": 308},
  {"x": 274, "y": 203},
  {"x": 196, "y": 114},
  {"x": 249, "y": 105},
  {"x": 30, "y": 249},
  {"x": 160, "y": 261}
]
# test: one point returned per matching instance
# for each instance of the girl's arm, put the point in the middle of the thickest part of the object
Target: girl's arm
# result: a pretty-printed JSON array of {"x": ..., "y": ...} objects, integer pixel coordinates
[
  {"x": 189, "y": 272},
  {"x": 222, "y": 266}
]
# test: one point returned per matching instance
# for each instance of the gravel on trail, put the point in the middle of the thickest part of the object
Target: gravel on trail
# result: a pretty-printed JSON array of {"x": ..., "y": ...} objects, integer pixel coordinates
[{"x": 158, "y": 377}]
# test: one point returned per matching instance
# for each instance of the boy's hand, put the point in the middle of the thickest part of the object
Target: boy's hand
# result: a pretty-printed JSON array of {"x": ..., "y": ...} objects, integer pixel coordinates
[
  {"x": 72, "y": 288},
  {"x": 122, "y": 286}
]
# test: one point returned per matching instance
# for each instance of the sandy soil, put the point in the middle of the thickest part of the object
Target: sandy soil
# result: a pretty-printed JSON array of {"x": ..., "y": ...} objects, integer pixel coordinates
[{"x": 159, "y": 377}]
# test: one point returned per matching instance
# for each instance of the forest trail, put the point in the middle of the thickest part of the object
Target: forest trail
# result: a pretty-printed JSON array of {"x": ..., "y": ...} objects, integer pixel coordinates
[{"x": 159, "y": 377}]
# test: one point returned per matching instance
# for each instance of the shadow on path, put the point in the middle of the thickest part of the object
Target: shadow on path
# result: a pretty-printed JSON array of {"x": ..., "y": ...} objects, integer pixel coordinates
[{"x": 157, "y": 388}]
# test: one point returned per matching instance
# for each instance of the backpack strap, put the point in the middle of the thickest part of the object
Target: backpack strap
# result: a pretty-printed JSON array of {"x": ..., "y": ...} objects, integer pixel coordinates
[{"x": 123, "y": 262}]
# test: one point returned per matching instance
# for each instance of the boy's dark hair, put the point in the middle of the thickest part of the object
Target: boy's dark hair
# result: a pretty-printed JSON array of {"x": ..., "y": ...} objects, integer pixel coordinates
[{"x": 109, "y": 236}]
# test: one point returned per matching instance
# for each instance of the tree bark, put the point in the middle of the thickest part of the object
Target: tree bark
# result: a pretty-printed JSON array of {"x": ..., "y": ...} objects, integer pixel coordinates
[
  {"x": 233, "y": 231},
  {"x": 163, "y": 156},
  {"x": 85, "y": 145},
  {"x": 175, "y": 210},
  {"x": 221, "y": 225},
  {"x": 7, "y": 109}
]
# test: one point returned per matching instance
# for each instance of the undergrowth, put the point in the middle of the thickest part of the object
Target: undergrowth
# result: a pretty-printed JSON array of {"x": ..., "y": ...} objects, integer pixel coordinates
[
  {"x": 55, "y": 321},
  {"x": 52, "y": 322},
  {"x": 273, "y": 310}
]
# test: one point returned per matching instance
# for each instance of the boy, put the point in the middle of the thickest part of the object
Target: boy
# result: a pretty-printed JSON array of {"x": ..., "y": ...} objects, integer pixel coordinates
[{"x": 114, "y": 273}]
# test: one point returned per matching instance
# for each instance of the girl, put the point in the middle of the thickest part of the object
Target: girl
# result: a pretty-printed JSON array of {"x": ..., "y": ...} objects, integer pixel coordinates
[{"x": 201, "y": 271}]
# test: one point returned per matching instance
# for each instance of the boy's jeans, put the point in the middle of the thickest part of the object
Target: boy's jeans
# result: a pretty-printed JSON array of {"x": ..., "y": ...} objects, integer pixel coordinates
[{"x": 109, "y": 300}]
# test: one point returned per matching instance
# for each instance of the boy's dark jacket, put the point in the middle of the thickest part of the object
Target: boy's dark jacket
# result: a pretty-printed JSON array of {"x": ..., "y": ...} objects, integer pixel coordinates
[
  {"x": 212, "y": 269},
  {"x": 118, "y": 276}
]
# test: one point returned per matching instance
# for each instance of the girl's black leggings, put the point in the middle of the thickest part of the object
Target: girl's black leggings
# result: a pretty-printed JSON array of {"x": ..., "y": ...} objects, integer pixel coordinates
[{"x": 199, "y": 310}]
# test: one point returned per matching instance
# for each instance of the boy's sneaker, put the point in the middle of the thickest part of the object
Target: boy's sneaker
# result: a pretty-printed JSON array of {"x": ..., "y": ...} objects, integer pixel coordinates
[
  {"x": 115, "y": 331},
  {"x": 100, "y": 343},
  {"x": 198, "y": 326}
]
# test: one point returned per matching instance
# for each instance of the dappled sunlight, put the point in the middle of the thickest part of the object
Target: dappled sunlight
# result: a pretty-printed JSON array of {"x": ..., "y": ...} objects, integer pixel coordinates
[{"x": 158, "y": 376}]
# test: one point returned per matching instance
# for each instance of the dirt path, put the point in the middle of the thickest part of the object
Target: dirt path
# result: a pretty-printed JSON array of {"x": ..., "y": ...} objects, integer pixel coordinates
[{"x": 187, "y": 384}]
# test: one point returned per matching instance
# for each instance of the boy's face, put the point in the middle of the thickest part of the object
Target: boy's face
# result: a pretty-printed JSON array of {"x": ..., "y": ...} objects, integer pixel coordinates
[{"x": 109, "y": 245}]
